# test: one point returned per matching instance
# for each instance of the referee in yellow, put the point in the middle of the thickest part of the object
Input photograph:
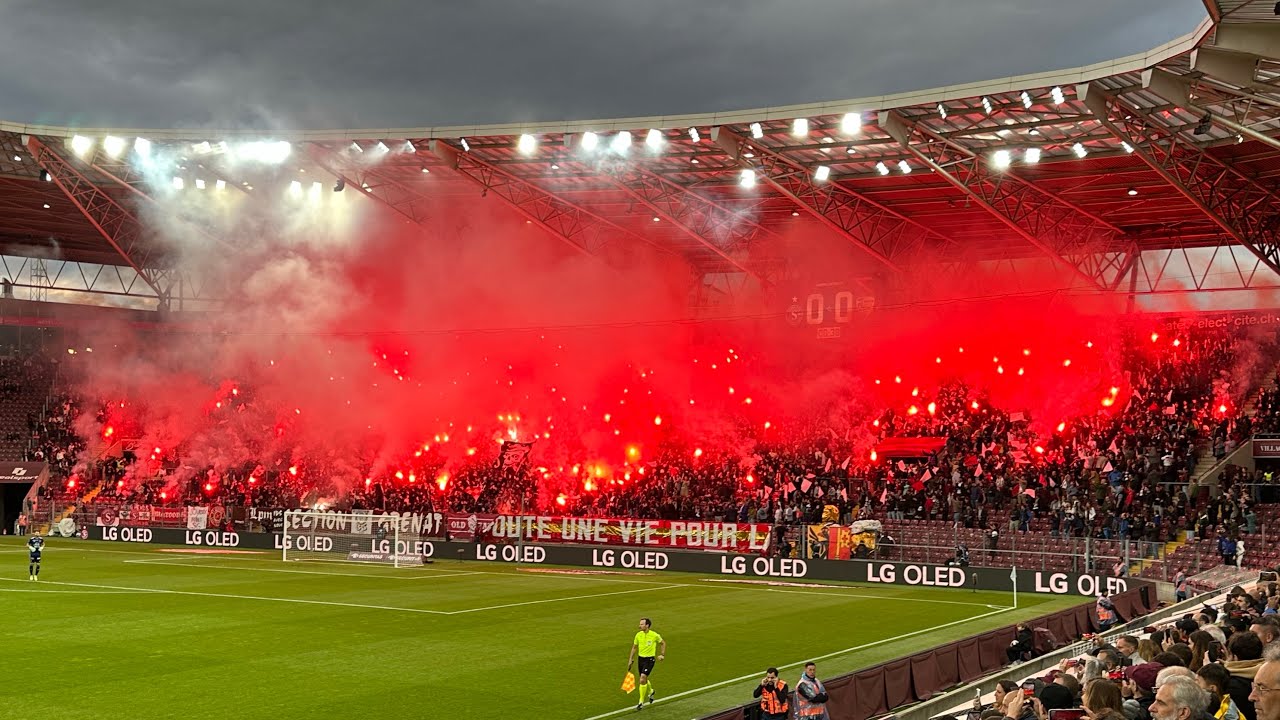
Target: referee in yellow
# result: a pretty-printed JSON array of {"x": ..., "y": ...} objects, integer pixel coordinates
[{"x": 650, "y": 647}]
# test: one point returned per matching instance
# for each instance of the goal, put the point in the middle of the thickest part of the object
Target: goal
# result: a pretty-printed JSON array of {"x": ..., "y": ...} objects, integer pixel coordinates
[{"x": 359, "y": 537}]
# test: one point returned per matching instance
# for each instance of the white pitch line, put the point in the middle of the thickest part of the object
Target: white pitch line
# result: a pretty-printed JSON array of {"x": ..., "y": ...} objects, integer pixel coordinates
[
  {"x": 561, "y": 599},
  {"x": 853, "y": 595},
  {"x": 207, "y": 566},
  {"x": 73, "y": 592},
  {"x": 229, "y": 596},
  {"x": 722, "y": 683}
]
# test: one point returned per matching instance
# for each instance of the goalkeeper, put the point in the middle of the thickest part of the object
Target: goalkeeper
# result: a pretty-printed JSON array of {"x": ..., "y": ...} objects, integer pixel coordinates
[
  {"x": 35, "y": 545},
  {"x": 649, "y": 647}
]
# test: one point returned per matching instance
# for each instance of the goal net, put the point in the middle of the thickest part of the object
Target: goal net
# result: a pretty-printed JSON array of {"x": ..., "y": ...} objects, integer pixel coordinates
[{"x": 359, "y": 537}]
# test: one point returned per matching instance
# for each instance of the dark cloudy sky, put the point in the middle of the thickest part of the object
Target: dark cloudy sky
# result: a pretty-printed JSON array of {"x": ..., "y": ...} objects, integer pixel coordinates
[{"x": 382, "y": 63}]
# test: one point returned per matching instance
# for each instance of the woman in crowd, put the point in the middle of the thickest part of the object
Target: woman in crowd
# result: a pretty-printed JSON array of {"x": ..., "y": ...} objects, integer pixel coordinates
[{"x": 1102, "y": 700}]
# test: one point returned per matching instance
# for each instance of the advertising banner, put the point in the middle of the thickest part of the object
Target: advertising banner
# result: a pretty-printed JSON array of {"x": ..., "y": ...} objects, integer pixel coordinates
[
  {"x": 748, "y": 567},
  {"x": 22, "y": 472},
  {"x": 1266, "y": 447}
]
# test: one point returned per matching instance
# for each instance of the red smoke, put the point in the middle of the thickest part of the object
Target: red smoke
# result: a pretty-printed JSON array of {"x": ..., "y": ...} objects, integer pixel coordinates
[{"x": 397, "y": 353}]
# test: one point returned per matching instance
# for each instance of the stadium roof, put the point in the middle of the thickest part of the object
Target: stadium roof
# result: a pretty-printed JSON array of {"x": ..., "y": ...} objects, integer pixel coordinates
[{"x": 1154, "y": 173}]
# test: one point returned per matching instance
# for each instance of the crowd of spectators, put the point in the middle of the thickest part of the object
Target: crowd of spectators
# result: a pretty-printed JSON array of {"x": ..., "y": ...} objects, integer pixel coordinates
[
  {"x": 1215, "y": 663},
  {"x": 1120, "y": 472}
]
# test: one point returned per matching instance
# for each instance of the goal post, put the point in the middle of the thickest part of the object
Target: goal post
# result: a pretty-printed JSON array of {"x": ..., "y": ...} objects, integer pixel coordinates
[{"x": 359, "y": 537}]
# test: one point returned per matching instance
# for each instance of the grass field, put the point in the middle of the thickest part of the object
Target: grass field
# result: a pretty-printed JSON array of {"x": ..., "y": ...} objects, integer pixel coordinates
[{"x": 117, "y": 631}]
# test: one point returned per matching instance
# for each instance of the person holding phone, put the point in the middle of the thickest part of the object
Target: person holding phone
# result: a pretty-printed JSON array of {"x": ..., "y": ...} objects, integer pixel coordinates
[{"x": 774, "y": 700}]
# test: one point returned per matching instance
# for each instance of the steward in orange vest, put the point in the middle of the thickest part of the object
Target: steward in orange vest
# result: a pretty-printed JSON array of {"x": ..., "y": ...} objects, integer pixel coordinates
[
  {"x": 772, "y": 692},
  {"x": 811, "y": 696}
]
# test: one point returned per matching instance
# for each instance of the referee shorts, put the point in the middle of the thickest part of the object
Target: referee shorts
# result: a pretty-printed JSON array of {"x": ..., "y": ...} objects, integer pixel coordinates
[{"x": 646, "y": 665}]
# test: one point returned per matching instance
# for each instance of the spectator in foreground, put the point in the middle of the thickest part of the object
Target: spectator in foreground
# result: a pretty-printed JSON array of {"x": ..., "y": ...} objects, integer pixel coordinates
[
  {"x": 1265, "y": 692},
  {"x": 1138, "y": 689},
  {"x": 1213, "y": 679},
  {"x": 1244, "y": 658},
  {"x": 1179, "y": 698}
]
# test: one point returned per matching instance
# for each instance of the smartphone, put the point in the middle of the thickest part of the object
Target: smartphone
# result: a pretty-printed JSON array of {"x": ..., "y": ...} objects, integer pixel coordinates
[
  {"x": 1072, "y": 714},
  {"x": 1028, "y": 689}
]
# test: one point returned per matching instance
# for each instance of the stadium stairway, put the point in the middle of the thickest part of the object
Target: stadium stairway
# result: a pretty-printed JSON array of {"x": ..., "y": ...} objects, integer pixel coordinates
[
  {"x": 1137, "y": 568},
  {"x": 69, "y": 510},
  {"x": 1205, "y": 473}
]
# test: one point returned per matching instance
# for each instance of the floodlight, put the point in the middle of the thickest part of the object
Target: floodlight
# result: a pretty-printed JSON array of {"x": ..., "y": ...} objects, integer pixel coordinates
[
  {"x": 590, "y": 140},
  {"x": 654, "y": 139},
  {"x": 220, "y": 185},
  {"x": 986, "y": 104},
  {"x": 1001, "y": 159},
  {"x": 693, "y": 134},
  {"x": 851, "y": 123},
  {"x": 822, "y": 173},
  {"x": 1058, "y": 97},
  {"x": 942, "y": 111},
  {"x": 1079, "y": 150},
  {"x": 747, "y": 178},
  {"x": 199, "y": 183},
  {"x": 113, "y": 145},
  {"x": 178, "y": 183},
  {"x": 81, "y": 144},
  {"x": 757, "y": 131},
  {"x": 800, "y": 127},
  {"x": 295, "y": 188},
  {"x": 142, "y": 146},
  {"x": 1032, "y": 155},
  {"x": 1127, "y": 147},
  {"x": 621, "y": 142},
  {"x": 527, "y": 144},
  {"x": 1026, "y": 99},
  {"x": 882, "y": 168},
  {"x": 904, "y": 166}
]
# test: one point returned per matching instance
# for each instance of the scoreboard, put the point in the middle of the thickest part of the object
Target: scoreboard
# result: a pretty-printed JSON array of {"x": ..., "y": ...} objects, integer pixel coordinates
[{"x": 828, "y": 308}]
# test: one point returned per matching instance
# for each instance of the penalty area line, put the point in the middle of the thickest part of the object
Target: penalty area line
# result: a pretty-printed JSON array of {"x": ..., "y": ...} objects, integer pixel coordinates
[{"x": 799, "y": 663}]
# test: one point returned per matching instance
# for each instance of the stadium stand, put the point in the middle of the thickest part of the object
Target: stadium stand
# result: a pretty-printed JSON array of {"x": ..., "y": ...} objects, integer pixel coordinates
[{"x": 1114, "y": 493}]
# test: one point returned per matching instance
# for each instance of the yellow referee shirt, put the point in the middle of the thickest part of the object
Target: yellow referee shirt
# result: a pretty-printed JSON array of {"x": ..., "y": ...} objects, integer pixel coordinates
[{"x": 646, "y": 643}]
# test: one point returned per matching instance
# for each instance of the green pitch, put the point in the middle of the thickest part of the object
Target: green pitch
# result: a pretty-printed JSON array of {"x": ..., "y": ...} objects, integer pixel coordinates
[{"x": 120, "y": 631}]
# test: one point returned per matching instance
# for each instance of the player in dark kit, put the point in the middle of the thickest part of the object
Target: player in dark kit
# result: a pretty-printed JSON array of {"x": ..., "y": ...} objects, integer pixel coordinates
[{"x": 34, "y": 547}]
